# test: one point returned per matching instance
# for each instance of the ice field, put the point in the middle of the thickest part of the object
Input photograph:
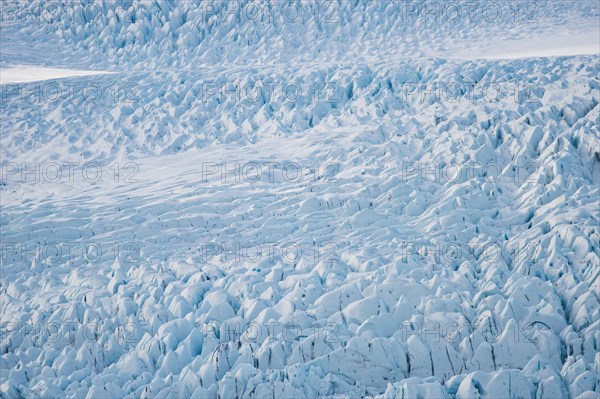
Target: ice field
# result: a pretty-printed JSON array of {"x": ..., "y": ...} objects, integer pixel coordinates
[{"x": 300, "y": 199}]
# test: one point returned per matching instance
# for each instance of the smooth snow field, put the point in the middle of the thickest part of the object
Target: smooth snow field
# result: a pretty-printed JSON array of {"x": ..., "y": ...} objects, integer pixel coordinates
[
  {"x": 26, "y": 73},
  {"x": 300, "y": 199}
]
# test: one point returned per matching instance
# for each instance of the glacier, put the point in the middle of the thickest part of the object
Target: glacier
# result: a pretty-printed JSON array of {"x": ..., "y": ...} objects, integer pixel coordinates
[{"x": 300, "y": 199}]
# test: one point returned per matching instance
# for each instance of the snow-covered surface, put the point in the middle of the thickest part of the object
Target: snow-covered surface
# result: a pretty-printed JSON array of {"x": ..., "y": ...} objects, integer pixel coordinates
[
  {"x": 551, "y": 45},
  {"x": 27, "y": 73},
  {"x": 360, "y": 204}
]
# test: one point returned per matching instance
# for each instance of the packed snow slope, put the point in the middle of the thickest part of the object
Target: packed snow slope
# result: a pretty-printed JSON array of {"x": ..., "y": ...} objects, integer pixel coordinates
[{"x": 326, "y": 199}]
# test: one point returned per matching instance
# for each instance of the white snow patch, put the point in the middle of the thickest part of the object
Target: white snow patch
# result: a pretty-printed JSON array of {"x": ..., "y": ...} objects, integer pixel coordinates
[
  {"x": 551, "y": 45},
  {"x": 32, "y": 73}
]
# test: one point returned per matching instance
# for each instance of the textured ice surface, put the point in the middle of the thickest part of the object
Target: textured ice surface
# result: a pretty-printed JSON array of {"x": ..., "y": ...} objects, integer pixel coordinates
[{"x": 418, "y": 218}]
